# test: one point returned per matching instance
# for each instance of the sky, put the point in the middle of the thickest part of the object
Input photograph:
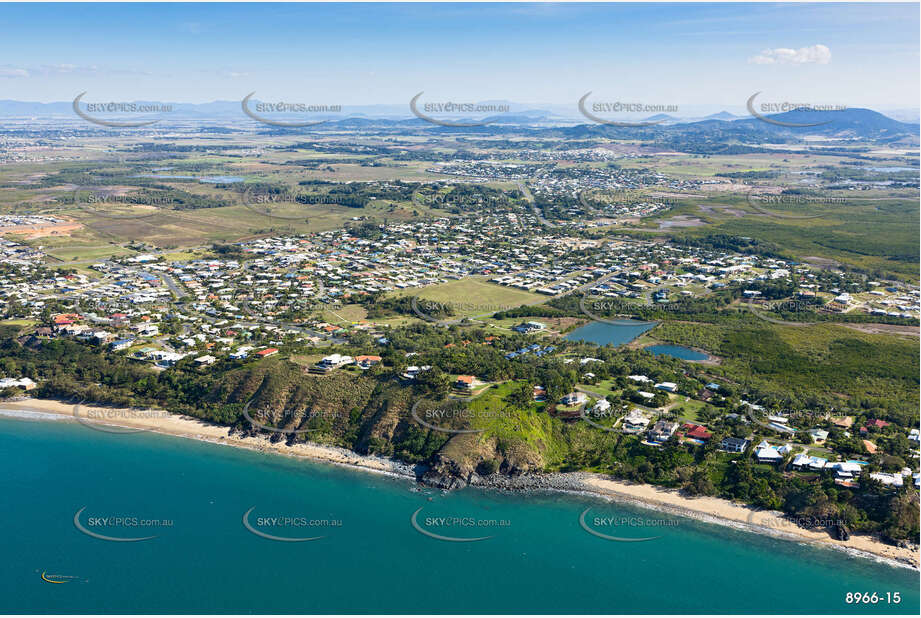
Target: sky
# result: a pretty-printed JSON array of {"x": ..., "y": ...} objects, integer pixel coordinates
[{"x": 859, "y": 55}]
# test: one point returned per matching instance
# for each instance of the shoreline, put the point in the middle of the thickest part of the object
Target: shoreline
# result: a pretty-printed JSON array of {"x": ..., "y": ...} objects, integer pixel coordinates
[
  {"x": 180, "y": 426},
  {"x": 708, "y": 509}
]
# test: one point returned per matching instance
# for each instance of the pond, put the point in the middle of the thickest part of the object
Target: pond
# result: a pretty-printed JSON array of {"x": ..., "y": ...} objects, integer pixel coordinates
[
  {"x": 677, "y": 351},
  {"x": 616, "y": 332}
]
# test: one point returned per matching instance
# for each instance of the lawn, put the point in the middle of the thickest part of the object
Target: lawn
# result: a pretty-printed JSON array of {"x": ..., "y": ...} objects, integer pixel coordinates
[
  {"x": 603, "y": 387},
  {"x": 688, "y": 410},
  {"x": 474, "y": 297},
  {"x": 346, "y": 314}
]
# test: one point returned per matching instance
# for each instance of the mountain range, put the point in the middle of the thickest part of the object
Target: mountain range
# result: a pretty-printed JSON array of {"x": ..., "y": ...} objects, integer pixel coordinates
[{"x": 854, "y": 122}]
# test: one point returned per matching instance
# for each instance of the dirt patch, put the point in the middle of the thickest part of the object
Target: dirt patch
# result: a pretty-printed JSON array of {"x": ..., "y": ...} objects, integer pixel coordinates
[
  {"x": 725, "y": 187},
  {"x": 886, "y": 329},
  {"x": 676, "y": 195},
  {"x": 681, "y": 221},
  {"x": 65, "y": 228},
  {"x": 821, "y": 262},
  {"x": 562, "y": 325}
]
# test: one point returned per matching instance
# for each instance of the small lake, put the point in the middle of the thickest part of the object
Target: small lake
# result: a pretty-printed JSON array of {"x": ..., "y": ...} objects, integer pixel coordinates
[
  {"x": 616, "y": 332},
  {"x": 892, "y": 169},
  {"x": 677, "y": 351}
]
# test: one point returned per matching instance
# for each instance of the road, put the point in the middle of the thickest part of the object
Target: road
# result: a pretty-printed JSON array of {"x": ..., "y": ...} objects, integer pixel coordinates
[
  {"x": 537, "y": 213},
  {"x": 173, "y": 286}
]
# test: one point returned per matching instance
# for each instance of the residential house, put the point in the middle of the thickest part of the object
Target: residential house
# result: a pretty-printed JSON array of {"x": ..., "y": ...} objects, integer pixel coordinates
[
  {"x": 24, "y": 383},
  {"x": 818, "y": 435},
  {"x": 808, "y": 462},
  {"x": 734, "y": 445},
  {"x": 662, "y": 431},
  {"x": 697, "y": 432},
  {"x": 331, "y": 363},
  {"x": 846, "y": 470},
  {"x": 464, "y": 383},
  {"x": 574, "y": 399},
  {"x": 601, "y": 406},
  {"x": 412, "y": 371},
  {"x": 886, "y": 478},
  {"x": 121, "y": 344},
  {"x": 635, "y": 422},
  {"x": 765, "y": 453},
  {"x": 528, "y": 327},
  {"x": 366, "y": 361}
]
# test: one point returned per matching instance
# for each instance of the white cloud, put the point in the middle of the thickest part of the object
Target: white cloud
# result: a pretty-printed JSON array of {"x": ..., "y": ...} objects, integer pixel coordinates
[
  {"x": 66, "y": 69},
  {"x": 62, "y": 69},
  {"x": 13, "y": 72},
  {"x": 816, "y": 54}
]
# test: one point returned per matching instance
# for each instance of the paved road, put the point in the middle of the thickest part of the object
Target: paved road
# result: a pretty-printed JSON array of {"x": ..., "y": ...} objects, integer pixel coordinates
[
  {"x": 173, "y": 286},
  {"x": 534, "y": 209}
]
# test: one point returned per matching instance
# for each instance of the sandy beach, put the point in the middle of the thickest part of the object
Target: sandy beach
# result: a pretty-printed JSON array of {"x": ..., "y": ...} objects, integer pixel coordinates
[
  {"x": 160, "y": 421},
  {"x": 722, "y": 511},
  {"x": 714, "y": 510}
]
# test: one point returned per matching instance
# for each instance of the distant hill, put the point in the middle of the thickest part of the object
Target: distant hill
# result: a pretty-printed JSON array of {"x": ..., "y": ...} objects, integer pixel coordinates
[
  {"x": 661, "y": 118},
  {"x": 722, "y": 127},
  {"x": 862, "y": 122},
  {"x": 724, "y": 115}
]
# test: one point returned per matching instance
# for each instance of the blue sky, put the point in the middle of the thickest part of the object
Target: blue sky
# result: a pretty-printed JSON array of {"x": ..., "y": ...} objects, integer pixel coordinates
[{"x": 361, "y": 54}]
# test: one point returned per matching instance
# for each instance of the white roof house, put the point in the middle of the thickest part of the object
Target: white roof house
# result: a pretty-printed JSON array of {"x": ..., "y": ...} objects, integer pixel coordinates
[
  {"x": 573, "y": 399},
  {"x": 601, "y": 405},
  {"x": 767, "y": 453},
  {"x": 894, "y": 480}
]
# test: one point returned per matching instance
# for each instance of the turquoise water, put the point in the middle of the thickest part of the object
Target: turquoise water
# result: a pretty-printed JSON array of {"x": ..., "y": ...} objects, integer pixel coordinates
[
  {"x": 615, "y": 332},
  {"x": 677, "y": 351},
  {"x": 541, "y": 562}
]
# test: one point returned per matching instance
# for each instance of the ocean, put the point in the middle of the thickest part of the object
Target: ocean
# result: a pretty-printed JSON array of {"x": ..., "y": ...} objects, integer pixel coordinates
[{"x": 211, "y": 511}]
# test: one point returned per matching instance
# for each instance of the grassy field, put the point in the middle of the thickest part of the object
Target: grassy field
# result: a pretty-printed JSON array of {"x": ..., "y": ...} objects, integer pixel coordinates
[
  {"x": 844, "y": 364},
  {"x": 866, "y": 232},
  {"x": 345, "y": 314},
  {"x": 81, "y": 253},
  {"x": 473, "y": 296}
]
